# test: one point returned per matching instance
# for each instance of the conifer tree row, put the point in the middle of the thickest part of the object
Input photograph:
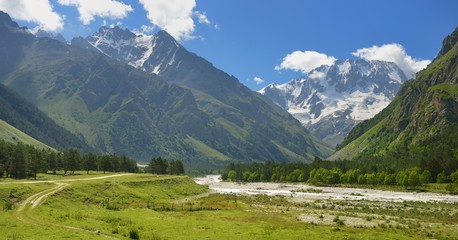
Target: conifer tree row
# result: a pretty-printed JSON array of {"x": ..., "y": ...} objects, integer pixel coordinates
[{"x": 20, "y": 161}]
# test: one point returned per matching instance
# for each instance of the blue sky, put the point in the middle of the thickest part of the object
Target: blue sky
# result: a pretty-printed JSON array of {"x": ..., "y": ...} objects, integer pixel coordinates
[{"x": 251, "y": 39}]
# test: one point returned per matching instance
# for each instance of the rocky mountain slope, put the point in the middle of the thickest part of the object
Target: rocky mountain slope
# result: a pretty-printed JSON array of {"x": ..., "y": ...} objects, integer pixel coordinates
[
  {"x": 118, "y": 108},
  {"x": 421, "y": 124},
  {"x": 331, "y": 100}
]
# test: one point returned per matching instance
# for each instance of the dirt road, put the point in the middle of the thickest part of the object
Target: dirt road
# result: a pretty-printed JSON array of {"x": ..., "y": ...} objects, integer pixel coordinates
[{"x": 23, "y": 212}]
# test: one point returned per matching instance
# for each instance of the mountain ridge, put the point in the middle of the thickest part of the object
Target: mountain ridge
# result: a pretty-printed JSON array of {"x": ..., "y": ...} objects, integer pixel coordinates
[
  {"x": 212, "y": 88},
  {"x": 331, "y": 100}
]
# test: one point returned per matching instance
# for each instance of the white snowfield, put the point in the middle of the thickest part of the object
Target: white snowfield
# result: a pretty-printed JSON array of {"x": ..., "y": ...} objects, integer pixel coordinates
[{"x": 304, "y": 192}]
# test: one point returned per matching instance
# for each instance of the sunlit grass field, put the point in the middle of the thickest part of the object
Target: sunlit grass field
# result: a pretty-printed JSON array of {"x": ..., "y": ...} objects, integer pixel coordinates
[{"x": 145, "y": 206}]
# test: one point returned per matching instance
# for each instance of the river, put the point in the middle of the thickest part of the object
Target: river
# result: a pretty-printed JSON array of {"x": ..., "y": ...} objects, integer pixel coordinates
[{"x": 305, "y": 192}]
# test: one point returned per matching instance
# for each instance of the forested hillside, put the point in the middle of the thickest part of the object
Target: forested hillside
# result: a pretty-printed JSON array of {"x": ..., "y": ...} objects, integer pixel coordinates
[{"x": 419, "y": 128}]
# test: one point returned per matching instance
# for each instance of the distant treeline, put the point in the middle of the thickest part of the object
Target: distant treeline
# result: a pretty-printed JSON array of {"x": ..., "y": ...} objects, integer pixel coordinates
[
  {"x": 160, "y": 165},
  {"x": 321, "y": 172},
  {"x": 18, "y": 160}
]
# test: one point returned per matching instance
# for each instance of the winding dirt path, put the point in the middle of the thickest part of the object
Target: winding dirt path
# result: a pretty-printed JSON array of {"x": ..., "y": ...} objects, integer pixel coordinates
[{"x": 23, "y": 212}]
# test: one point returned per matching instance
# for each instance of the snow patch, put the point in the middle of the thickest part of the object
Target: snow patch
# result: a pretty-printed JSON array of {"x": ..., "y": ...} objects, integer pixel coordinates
[{"x": 344, "y": 68}]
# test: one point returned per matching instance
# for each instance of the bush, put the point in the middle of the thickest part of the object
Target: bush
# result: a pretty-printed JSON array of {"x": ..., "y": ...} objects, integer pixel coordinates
[
  {"x": 451, "y": 188},
  {"x": 454, "y": 176},
  {"x": 133, "y": 234},
  {"x": 7, "y": 204},
  {"x": 441, "y": 177},
  {"x": 338, "y": 221}
]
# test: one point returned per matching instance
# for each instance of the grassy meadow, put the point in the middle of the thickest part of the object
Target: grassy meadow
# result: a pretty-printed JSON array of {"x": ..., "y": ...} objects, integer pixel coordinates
[{"x": 145, "y": 206}]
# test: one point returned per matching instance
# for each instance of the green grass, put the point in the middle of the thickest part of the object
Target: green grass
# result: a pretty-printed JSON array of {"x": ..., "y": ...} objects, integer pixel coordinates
[
  {"x": 446, "y": 87},
  {"x": 292, "y": 155},
  {"x": 14, "y": 135},
  {"x": 360, "y": 143},
  {"x": 206, "y": 150},
  {"x": 174, "y": 207}
]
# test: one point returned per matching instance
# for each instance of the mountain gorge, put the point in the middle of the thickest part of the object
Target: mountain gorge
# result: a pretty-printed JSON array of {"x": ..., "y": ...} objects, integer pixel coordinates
[
  {"x": 331, "y": 100},
  {"x": 421, "y": 123},
  {"x": 190, "y": 110}
]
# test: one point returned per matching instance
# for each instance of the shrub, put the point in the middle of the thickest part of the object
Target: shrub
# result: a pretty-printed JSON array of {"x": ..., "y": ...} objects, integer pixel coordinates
[
  {"x": 133, "y": 234},
  {"x": 441, "y": 177},
  {"x": 454, "y": 176}
]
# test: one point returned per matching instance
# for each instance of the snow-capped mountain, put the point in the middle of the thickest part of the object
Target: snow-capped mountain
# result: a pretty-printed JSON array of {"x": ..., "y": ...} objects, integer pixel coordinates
[
  {"x": 330, "y": 100},
  {"x": 244, "y": 124},
  {"x": 151, "y": 53}
]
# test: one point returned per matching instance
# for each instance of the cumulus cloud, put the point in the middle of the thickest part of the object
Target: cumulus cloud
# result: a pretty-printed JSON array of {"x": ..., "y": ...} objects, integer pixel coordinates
[
  {"x": 89, "y": 9},
  {"x": 258, "y": 80},
  {"x": 174, "y": 16},
  {"x": 393, "y": 53},
  {"x": 305, "y": 61},
  {"x": 36, "y": 11}
]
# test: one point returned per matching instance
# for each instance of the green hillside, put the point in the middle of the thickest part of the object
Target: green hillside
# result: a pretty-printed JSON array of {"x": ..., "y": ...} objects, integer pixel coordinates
[
  {"x": 420, "y": 126},
  {"x": 16, "y": 111},
  {"x": 11, "y": 134}
]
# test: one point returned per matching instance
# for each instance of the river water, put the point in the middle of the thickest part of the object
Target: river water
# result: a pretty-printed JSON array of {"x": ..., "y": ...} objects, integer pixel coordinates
[{"x": 304, "y": 192}]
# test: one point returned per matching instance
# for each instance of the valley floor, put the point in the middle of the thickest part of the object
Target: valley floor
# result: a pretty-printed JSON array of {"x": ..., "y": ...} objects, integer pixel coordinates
[
  {"x": 307, "y": 193},
  {"x": 144, "y": 206}
]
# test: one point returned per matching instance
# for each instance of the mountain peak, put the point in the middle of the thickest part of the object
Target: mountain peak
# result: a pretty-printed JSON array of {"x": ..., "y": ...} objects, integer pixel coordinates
[
  {"x": 41, "y": 34},
  {"x": 448, "y": 43},
  {"x": 116, "y": 33},
  {"x": 5, "y": 20},
  {"x": 164, "y": 36}
]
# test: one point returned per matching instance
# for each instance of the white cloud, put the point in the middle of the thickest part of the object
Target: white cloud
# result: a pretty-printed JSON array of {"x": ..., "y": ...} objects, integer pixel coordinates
[
  {"x": 305, "y": 61},
  {"x": 88, "y": 9},
  {"x": 147, "y": 29},
  {"x": 144, "y": 30},
  {"x": 316, "y": 74},
  {"x": 37, "y": 11},
  {"x": 258, "y": 80},
  {"x": 203, "y": 19},
  {"x": 393, "y": 53},
  {"x": 174, "y": 16}
]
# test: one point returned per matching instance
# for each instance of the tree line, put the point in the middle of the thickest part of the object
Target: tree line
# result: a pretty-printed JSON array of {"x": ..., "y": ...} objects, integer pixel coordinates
[
  {"x": 160, "y": 165},
  {"x": 321, "y": 172},
  {"x": 18, "y": 160}
]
